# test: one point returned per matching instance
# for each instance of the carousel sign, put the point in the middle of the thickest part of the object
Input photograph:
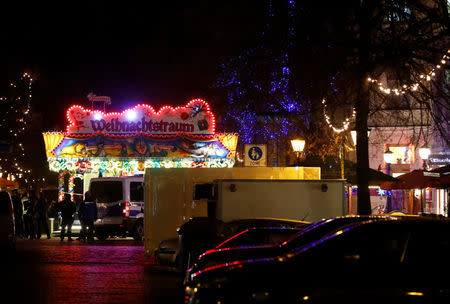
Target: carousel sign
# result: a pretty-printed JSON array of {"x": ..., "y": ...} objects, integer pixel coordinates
[{"x": 193, "y": 118}]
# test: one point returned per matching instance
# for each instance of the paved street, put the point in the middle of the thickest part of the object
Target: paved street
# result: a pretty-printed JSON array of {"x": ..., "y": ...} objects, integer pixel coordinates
[{"x": 111, "y": 271}]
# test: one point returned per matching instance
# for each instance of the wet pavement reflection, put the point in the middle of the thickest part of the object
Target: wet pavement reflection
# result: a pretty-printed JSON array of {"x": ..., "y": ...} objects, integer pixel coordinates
[{"x": 110, "y": 271}]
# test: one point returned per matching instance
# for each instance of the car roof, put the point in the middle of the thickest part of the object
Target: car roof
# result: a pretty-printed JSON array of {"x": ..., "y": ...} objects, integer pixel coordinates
[
  {"x": 391, "y": 220},
  {"x": 267, "y": 219}
]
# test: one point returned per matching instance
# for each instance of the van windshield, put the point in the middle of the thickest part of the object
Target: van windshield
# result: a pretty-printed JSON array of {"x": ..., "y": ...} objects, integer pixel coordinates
[{"x": 107, "y": 191}]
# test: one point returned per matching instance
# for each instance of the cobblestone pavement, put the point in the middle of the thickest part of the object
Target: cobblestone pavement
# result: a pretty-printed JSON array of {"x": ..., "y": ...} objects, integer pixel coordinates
[{"x": 110, "y": 271}]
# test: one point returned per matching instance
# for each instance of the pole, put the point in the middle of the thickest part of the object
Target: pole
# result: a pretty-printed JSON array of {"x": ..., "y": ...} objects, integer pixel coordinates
[
  {"x": 341, "y": 158},
  {"x": 388, "y": 198}
]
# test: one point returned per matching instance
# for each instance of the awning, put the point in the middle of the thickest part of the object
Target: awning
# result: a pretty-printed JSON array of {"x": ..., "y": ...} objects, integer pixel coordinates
[
  {"x": 8, "y": 184},
  {"x": 417, "y": 179},
  {"x": 376, "y": 178}
]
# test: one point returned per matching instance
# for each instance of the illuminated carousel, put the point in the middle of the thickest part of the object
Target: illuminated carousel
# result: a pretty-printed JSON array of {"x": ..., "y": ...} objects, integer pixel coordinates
[{"x": 97, "y": 143}]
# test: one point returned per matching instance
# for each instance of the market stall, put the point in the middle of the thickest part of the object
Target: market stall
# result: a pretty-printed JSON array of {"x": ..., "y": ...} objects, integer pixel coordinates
[
  {"x": 418, "y": 186},
  {"x": 6, "y": 184},
  {"x": 97, "y": 143}
]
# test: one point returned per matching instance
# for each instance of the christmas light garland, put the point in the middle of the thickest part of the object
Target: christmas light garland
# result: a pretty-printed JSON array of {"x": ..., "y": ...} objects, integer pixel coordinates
[
  {"x": 118, "y": 167},
  {"x": 345, "y": 124},
  {"x": 410, "y": 87},
  {"x": 388, "y": 91}
]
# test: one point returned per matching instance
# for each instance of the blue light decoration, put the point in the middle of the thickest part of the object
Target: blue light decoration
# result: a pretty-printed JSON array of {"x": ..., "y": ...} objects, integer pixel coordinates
[
  {"x": 260, "y": 90},
  {"x": 381, "y": 192}
]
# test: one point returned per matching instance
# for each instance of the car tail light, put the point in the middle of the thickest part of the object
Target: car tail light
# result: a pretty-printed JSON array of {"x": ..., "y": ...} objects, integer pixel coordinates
[{"x": 126, "y": 209}]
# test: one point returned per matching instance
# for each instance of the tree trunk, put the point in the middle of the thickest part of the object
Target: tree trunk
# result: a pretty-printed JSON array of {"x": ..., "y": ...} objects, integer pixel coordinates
[
  {"x": 362, "y": 112},
  {"x": 362, "y": 150}
]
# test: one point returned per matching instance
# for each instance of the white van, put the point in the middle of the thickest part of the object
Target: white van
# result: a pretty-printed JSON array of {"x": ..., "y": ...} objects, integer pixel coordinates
[{"x": 120, "y": 204}]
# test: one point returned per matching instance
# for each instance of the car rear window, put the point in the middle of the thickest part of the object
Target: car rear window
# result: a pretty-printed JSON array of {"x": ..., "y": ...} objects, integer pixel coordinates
[
  {"x": 5, "y": 203},
  {"x": 107, "y": 191}
]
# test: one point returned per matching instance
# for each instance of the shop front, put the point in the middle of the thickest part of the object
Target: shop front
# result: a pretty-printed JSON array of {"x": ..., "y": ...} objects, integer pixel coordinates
[{"x": 97, "y": 143}]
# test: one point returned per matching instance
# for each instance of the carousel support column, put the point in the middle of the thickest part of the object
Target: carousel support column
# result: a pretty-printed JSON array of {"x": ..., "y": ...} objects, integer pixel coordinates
[
  {"x": 81, "y": 177},
  {"x": 61, "y": 185},
  {"x": 71, "y": 186}
]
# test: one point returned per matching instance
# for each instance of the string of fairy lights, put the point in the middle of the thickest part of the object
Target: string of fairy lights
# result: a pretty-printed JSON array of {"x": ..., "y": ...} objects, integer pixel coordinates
[
  {"x": 401, "y": 90},
  {"x": 345, "y": 124},
  {"x": 15, "y": 120},
  {"x": 414, "y": 86}
]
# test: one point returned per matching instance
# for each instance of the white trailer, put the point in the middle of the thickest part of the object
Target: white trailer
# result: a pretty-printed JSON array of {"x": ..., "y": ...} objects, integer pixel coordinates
[
  {"x": 173, "y": 196},
  {"x": 306, "y": 200}
]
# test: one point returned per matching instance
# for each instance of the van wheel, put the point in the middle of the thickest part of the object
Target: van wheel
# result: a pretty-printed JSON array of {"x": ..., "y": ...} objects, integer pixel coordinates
[
  {"x": 138, "y": 234},
  {"x": 101, "y": 236}
]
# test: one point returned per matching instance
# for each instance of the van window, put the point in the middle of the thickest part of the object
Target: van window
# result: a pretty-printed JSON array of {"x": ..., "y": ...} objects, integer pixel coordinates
[
  {"x": 136, "y": 192},
  {"x": 107, "y": 191},
  {"x": 203, "y": 191}
]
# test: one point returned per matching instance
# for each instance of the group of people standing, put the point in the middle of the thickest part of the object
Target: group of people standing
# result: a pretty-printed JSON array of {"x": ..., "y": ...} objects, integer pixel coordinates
[
  {"x": 87, "y": 214},
  {"x": 31, "y": 215}
]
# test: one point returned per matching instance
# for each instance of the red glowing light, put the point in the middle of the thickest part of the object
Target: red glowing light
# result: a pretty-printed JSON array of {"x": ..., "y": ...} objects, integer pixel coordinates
[
  {"x": 126, "y": 209},
  {"x": 195, "y": 118}
]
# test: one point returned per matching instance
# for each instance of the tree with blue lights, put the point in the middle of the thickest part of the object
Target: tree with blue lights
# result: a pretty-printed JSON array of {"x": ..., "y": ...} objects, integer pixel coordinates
[{"x": 263, "y": 102}]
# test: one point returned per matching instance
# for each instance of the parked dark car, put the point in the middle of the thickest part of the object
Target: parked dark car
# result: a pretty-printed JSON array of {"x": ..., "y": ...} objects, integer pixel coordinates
[
  {"x": 311, "y": 233},
  {"x": 236, "y": 226},
  {"x": 168, "y": 249},
  {"x": 7, "y": 225},
  {"x": 257, "y": 236},
  {"x": 401, "y": 259},
  {"x": 207, "y": 234}
]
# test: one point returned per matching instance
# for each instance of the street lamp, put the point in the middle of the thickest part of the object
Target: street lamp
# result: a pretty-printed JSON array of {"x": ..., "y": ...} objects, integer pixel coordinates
[
  {"x": 424, "y": 153},
  {"x": 388, "y": 158},
  {"x": 298, "y": 145}
]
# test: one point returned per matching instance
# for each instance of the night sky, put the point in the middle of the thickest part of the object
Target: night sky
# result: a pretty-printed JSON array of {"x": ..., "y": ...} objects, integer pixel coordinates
[{"x": 159, "y": 53}]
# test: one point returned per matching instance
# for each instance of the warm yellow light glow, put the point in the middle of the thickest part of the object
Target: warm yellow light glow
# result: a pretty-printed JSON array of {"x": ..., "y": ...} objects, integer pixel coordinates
[
  {"x": 414, "y": 293},
  {"x": 424, "y": 152},
  {"x": 298, "y": 145}
]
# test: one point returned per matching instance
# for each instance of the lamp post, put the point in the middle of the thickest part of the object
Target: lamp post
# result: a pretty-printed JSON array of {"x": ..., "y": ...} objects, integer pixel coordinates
[
  {"x": 388, "y": 158},
  {"x": 298, "y": 145},
  {"x": 424, "y": 153}
]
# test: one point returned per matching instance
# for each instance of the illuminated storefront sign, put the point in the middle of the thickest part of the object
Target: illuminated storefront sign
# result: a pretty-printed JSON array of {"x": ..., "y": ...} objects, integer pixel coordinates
[
  {"x": 440, "y": 159},
  {"x": 193, "y": 118}
]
